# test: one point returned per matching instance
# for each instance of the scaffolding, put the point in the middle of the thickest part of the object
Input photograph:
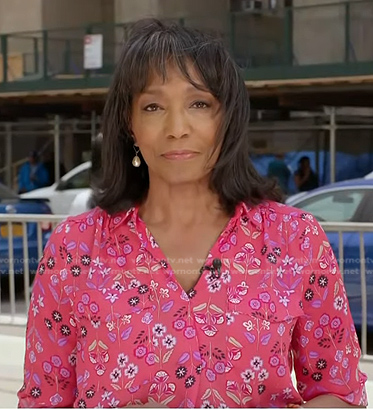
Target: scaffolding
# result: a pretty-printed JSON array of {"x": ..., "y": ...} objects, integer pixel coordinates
[
  {"x": 53, "y": 130},
  {"x": 59, "y": 126}
]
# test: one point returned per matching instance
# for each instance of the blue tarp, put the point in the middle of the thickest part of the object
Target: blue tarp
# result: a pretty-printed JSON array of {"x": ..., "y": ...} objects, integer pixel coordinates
[{"x": 347, "y": 166}]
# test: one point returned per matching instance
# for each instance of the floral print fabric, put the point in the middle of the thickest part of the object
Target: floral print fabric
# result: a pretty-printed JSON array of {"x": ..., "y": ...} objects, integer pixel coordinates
[{"x": 110, "y": 326}]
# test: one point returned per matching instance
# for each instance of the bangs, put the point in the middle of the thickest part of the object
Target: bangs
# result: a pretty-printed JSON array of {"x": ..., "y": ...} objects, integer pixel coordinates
[{"x": 153, "y": 55}]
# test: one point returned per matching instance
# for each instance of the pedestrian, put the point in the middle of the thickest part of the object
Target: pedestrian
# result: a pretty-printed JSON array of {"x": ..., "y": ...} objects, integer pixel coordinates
[
  {"x": 305, "y": 178},
  {"x": 189, "y": 285},
  {"x": 32, "y": 175},
  {"x": 279, "y": 170}
]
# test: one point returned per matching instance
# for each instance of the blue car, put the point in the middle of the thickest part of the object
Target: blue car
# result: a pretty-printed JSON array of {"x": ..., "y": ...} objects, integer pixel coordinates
[
  {"x": 11, "y": 203},
  {"x": 348, "y": 201}
]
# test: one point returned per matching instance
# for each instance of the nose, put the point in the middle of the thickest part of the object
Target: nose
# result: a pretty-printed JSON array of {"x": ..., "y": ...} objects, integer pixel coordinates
[{"x": 177, "y": 123}]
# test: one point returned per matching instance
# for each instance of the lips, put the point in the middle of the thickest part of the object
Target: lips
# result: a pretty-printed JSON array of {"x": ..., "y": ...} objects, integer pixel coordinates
[{"x": 180, "y": 155}]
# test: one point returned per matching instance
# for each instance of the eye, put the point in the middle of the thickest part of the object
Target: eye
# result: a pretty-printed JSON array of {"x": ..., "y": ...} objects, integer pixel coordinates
[
  {"x": 151, "y": 108},
  {"x": 200, "y": 104}
]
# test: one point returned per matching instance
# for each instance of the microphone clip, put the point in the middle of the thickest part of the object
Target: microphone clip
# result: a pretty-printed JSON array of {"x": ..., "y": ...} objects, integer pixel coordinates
[{"x": 215, "y": 268}]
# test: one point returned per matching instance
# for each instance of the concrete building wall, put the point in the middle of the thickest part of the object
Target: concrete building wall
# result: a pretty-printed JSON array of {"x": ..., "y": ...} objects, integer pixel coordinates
[
  {"x": 257, "y": 40},
  {"x": 58, "y": 14},
  {"x": 132, "y": 10},
  {"x": 37, "y": 15},
  {"x": 254, "y": 35},
  {"x": 20, "y": 15},
  {"x": 29, "y": 15},
  {"x": 257, "y": 35},
  {"x": 319, "y": 33},
  {"x": 361, "y": 31},
  {"x": 71, "y": 13},
  {"x": 210, "y": 13}
]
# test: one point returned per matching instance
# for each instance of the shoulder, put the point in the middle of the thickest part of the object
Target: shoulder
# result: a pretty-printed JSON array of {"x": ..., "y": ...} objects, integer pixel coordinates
[
  {"x": 93, "y": 225},
  {"x": 294, "y": 235},
  {"x": 275, "y": 217},
  {"x": 73, "y": 244},
  {"x": 82, "y": 227},
  {"x": 301, "y": 233},
  {"x": 91, "y": 218},
  {"x": 281, "y": 241},
  {"x": 284, "y": 211},
  {"x": 78, "y": 243},
  {"x": 303, "y": 218}
]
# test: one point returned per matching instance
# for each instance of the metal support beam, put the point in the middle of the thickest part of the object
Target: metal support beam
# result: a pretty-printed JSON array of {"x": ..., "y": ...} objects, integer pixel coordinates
[
  {"x": 36, "y": 56},
  {"x": 45, "y": 54},
  {"x": 332, "y": 142},
  {"x": 8, "y": 155},
  {"x": 56, "y": 135},
  {"x": 93, "y": 125},
  {"x": 317, "y": 151},
  {"x": 364, "y": 297},
  {"x": 347, "y": 31},
  {"x": 4, "y": 53}
]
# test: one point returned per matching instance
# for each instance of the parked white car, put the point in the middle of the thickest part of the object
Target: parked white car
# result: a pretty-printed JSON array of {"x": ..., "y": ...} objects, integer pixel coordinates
[
  {"x": 61, "y": 195},
  {"x": 369, "y": 176},
  {"x": 81, "y": 203}
]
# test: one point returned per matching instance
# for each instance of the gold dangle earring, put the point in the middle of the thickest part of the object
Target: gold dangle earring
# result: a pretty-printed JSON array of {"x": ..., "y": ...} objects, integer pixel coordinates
[{"x": 136, "y": 161}]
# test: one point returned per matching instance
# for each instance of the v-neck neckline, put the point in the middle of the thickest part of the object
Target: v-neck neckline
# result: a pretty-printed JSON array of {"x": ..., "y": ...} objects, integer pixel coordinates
[{"x": 150, "y": 245}]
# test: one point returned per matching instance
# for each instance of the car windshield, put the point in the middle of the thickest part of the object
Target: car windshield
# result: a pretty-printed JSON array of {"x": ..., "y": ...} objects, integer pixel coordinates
[
  {"x": 334, "y": 206},
  {"x": 6, "y": 193}
]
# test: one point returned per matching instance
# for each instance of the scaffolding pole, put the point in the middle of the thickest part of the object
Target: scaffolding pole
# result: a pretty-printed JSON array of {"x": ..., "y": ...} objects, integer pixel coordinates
[
  {"x": 56, "y": 135},
  {"x": 332, "y": 143},
  {"x": 93, "y": 125},
  {"x": 8, "y": 155}
]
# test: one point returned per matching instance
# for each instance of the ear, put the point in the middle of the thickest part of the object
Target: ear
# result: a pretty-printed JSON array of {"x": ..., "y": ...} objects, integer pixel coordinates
[{"x": 134, "y": 139}]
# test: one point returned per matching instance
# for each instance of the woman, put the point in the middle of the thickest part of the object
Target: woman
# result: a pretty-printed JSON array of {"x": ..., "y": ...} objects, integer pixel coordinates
[
  {"x": 305, "y": 178},
  {"x": 189, "y": 285}
]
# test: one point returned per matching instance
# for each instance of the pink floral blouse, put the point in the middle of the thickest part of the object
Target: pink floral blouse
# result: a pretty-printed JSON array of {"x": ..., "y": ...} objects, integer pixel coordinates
[{"x": 110, "y": 326}]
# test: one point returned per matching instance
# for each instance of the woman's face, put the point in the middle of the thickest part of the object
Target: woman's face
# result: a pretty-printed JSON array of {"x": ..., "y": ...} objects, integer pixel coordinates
[{"x": 175, "y": 126}]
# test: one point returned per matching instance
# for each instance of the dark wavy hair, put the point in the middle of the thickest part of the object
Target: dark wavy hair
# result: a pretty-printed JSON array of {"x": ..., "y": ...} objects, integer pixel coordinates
[
  {"x": 152, "y": 46},
  {"x": 96, "y": 167}
]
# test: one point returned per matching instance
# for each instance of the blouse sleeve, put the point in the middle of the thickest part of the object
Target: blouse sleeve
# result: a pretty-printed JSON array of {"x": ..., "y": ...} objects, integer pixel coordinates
[
  {"x": 325, "y": 345},
  {"x": 49, "y": 373}
]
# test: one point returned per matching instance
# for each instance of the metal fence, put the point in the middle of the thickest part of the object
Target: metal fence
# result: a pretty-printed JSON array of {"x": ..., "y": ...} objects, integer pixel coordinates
[
  {"x": 8, "y": 308},
  {"x": 361, "y": 229},
  {"x": 19, "y": 225}
]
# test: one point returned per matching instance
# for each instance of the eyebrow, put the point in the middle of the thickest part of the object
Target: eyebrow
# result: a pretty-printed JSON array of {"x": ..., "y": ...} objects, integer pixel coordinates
[{"x": 158, "y": 89}]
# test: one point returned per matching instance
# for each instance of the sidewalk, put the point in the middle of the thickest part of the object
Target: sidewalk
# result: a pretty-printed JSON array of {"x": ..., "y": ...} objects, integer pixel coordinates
[
  {"x": 11, "y": 367},
  {"x": 11, "y": 363}
]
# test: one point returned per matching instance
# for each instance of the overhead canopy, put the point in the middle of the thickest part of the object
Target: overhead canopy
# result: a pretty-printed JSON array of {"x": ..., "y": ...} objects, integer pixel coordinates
[
  {"x": 308, "y": 93},
  {"x": 305, "y": 93}
]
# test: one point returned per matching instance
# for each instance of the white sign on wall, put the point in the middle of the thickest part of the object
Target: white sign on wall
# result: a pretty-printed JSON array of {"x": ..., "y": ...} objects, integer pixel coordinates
[{"x": 93, "y": 51}]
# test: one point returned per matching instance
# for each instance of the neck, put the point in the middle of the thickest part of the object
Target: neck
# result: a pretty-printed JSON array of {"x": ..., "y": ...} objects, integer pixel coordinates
[{"x": 183, "y": 204}]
